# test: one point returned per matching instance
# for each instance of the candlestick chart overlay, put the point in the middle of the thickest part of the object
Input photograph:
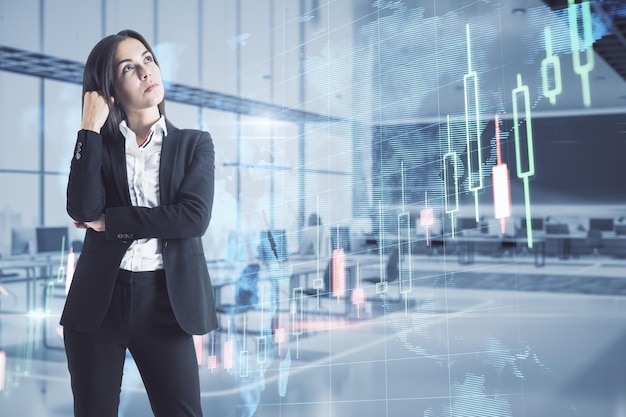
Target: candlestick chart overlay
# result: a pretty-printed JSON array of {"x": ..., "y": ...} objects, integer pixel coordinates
[{"x": 452, "y": 180}]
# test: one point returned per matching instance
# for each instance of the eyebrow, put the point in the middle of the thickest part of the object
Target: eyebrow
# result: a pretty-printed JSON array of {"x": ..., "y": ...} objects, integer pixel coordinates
[{"x": 129, "y": 60}]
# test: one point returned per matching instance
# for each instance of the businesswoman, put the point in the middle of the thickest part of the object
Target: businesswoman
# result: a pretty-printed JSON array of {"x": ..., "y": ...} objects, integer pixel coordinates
[{"x": 143, "y": 190}]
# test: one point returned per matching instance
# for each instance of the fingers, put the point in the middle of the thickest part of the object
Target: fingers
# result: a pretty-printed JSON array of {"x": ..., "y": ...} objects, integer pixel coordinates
[
  {"x": 79, "y": 225},
  {"x": 94, "y": 100},
  {"x": 95, "y": 111},
  {"x": 97, "y": 225}
]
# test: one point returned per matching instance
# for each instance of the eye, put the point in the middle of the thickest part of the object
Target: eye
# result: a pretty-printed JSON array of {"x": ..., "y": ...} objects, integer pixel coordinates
[
  {"x": 126, "y": 69},
  {"x": 149, "y": 58}
]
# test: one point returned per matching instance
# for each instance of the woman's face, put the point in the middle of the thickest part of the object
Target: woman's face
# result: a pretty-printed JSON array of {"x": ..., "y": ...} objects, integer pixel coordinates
[{"x": 138, "y": 83}]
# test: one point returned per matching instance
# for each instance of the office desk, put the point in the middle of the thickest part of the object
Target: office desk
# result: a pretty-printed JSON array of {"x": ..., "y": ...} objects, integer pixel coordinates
[
  {"x": 227, "y": 274},
  {"x": 294, "y": 272},
  {"x": 467, "y": 246},
  {"x": 575, "y": 244},
  {"x": 306, "y": 266},
  {"x": 564, "y": 242},
  {"x": 35, "y": 268},
  {"x": 248, "y": 318},
  {"x": 614, "y": 245},
  {"x": 224, "y": 274}
]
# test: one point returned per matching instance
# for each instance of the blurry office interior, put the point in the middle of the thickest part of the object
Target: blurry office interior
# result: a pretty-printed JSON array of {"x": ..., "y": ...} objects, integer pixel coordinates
[{"x": 454, "y": 168}]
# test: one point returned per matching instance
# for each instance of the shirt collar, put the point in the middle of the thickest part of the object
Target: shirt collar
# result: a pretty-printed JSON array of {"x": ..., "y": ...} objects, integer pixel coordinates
[{"x": 160, "y": 125}]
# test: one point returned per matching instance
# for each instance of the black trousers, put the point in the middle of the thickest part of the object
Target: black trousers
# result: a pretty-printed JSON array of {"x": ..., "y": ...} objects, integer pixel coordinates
[{"x": 141, "y": 320}]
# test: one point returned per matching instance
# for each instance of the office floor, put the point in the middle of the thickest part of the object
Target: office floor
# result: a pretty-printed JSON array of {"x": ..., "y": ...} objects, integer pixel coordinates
[{"x": 500, "y": 337}]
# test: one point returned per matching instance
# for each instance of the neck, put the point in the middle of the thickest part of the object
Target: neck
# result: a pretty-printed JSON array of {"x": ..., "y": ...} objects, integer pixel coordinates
[{"x": 141, "y": 122}]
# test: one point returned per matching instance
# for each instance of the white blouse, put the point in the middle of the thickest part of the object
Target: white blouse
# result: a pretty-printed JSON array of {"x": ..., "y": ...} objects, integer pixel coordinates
[{"x": 142, "y": 168}]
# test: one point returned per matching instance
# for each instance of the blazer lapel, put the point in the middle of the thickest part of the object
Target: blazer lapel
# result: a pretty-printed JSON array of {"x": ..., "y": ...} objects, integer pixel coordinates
[{"x": 167, "y": 166}]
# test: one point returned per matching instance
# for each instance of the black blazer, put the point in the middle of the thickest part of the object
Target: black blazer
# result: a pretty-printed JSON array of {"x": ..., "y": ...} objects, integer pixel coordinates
[{"x": 98, "y": 184}]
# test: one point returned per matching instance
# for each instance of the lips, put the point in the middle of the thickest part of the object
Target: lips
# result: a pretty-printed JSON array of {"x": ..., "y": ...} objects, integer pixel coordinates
[{"x": 150, "y": 88}]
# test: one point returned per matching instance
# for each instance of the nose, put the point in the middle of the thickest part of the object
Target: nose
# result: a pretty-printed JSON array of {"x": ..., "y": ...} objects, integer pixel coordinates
[{"x": 144, "y": 72}]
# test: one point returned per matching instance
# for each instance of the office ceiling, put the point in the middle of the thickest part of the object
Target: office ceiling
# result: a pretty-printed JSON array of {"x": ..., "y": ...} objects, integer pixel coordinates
[
  {"x": 49, "y": 67},
  {"x": 504, "y": 33}
]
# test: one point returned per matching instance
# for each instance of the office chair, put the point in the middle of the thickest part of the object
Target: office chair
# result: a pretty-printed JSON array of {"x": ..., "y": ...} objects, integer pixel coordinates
[{"x": 594, "y": 241}]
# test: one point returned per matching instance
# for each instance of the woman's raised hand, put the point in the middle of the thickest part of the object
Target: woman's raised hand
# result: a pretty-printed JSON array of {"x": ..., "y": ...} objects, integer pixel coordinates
[{"x": 95, "y": 111}]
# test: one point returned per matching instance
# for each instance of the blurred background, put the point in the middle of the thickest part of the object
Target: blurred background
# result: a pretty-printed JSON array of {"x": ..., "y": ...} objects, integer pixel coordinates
[{"x": 420, "y": 205}]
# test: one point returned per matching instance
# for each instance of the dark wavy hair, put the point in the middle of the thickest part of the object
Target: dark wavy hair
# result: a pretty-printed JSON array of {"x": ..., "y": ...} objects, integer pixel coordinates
[{"x": 99, "y": 75}]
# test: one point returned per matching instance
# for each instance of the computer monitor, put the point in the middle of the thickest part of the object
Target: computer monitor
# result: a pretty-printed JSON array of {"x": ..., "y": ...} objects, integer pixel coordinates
[
  {"x": 52, "y": 239},
  {"x": 21, "y": 240},
  {"x": 315, "y": 241},
  {"x": 557, "y": 229},
  {"x": 466, "y": 223},
  {"x": 495, "y": 228},
  {"x": 536, "y": 223},
  {"x": 602, "y": 224}
]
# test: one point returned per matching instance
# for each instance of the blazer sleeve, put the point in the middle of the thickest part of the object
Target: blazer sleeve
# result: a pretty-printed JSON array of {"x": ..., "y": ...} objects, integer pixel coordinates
[
  {"x": 85, "y": 187},
  {"x": 189, "y": 213}
]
